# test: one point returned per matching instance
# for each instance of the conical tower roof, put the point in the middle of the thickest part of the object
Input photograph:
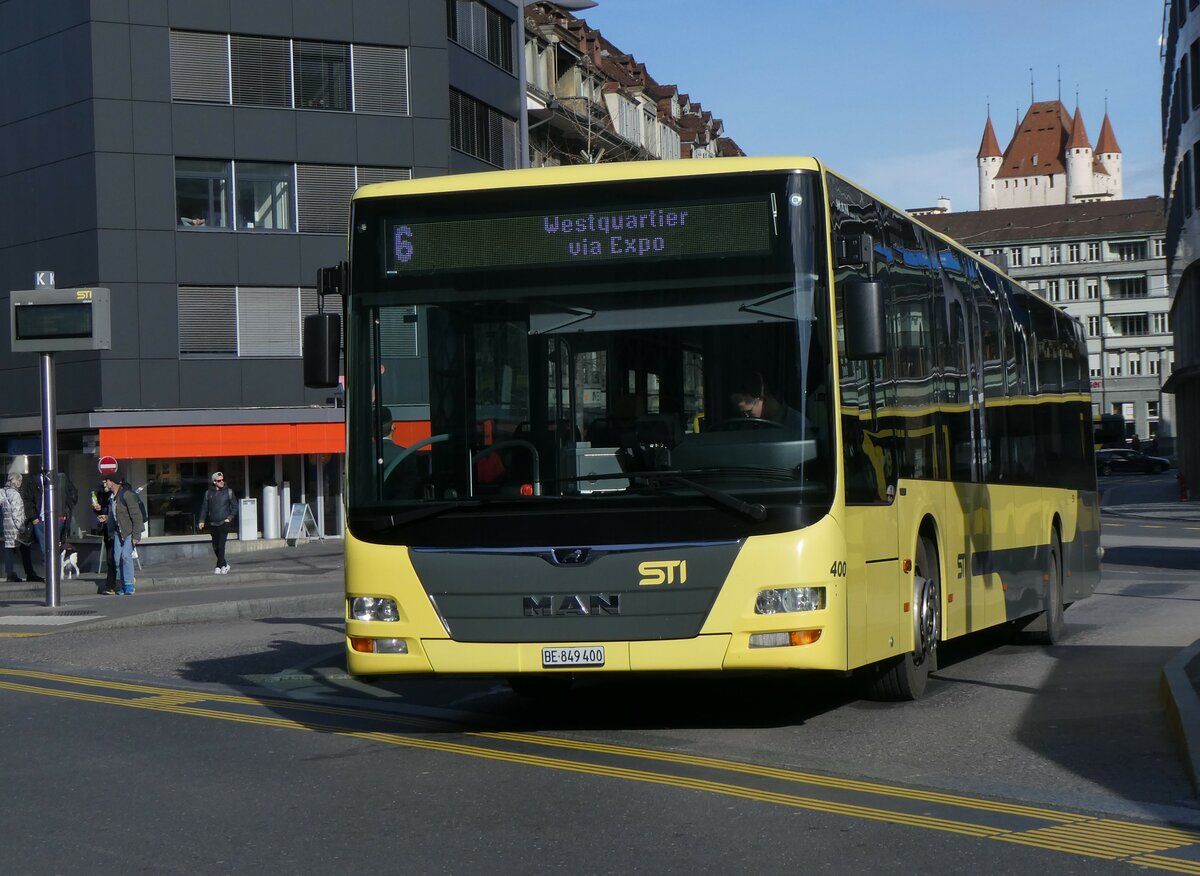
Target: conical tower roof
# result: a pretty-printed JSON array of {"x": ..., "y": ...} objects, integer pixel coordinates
[
  {"x": 1079, "y": 137},
  {"x": 1108, "y": 140},
  {"x": 989, "y": 147}
]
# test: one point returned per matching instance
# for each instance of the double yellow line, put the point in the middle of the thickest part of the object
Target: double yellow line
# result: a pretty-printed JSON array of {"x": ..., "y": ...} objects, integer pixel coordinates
[{"x": 1141, "y": 844}]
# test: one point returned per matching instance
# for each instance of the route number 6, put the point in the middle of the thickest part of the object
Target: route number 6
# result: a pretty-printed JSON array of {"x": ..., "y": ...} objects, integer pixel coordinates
[{"x": 403, "y": 243}]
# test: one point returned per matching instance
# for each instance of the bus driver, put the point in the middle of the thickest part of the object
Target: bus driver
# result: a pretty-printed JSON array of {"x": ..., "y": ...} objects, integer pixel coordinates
[{"x": 753, "y": 400}]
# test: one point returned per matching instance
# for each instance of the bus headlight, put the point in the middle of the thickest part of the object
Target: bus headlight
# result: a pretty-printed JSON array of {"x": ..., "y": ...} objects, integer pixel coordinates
[
  {"x": 374, "y": 608},
  {"x": 789, "y": 599}
]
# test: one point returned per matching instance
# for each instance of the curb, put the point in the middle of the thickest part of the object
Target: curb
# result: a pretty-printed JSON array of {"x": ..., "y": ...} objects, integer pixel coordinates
[
  {"x": 246, "y": 609},
  {"x": 1178, "y": 688}
]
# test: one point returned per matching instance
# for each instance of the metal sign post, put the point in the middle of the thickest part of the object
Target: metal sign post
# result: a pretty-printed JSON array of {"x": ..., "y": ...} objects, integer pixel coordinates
[
  {"x": 49, "y": 483},
  {"x": 43, "y": 320}
]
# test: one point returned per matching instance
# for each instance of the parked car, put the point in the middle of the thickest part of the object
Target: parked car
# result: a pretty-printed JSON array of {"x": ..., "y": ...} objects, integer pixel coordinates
[{"x": 1123, "y": 461}]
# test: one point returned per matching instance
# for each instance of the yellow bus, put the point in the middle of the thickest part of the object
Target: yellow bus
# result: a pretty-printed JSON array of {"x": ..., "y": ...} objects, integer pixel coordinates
[{"x": 726, "y": 415}]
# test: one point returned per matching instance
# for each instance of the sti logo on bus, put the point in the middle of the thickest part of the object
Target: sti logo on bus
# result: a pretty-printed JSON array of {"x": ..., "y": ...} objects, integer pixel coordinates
[
  {"x": 572, "y": 605},
  {"x": 658, "y": 572}
]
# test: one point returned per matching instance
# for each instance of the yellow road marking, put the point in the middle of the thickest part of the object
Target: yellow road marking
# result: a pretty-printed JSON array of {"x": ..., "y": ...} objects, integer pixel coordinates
[{"x": 1071, "y": 833}]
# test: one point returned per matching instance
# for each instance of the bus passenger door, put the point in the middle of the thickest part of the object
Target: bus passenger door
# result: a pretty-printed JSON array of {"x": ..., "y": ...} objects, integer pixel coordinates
[{"x": 868, "y": 459}]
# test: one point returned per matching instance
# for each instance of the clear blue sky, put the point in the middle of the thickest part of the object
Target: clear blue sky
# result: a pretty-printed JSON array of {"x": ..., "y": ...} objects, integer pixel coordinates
[{"x": 895, "y": 94}]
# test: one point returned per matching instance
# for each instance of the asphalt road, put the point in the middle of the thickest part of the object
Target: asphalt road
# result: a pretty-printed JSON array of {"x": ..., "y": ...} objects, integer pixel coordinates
[{"x": 213, "y": 748}]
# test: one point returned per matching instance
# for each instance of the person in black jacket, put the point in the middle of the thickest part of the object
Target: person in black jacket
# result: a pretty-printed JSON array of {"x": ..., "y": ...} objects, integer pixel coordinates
[
  {"x": 217, "y": 512},
  {"x": 101, "y": 501}
]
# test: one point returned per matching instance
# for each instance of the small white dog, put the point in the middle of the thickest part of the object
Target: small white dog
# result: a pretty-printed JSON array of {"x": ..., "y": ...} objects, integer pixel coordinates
[{"x": 69, "y": 563}]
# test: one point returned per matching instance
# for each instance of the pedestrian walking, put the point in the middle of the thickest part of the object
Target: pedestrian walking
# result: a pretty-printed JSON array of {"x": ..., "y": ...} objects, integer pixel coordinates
[
  {"x": 101, "y": 502},
  {"x": 126, "y": 513},
  {"x": 217, "y": 512}
]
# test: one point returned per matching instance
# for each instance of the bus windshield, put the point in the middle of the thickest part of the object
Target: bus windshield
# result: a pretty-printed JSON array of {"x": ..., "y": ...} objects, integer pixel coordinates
[{"x": 648, "y": 354}]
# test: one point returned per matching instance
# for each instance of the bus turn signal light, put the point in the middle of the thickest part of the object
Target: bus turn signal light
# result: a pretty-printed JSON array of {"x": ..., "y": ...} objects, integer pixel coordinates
[{"x": 784, "y": 640}]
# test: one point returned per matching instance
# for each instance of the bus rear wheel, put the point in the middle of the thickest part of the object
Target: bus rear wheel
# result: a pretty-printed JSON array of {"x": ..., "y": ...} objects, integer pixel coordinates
[
  {"x": 1051, "y": 627},
  {"x": 905, "y": 677}
]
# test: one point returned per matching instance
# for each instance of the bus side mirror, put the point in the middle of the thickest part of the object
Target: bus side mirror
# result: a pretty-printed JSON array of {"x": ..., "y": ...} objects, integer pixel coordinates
[
  {"x": 322, "y": 343},
  {"x": 866, "y": 329}
]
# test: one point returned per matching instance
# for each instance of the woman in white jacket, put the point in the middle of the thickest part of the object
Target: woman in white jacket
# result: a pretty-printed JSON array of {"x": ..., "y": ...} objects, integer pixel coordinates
[{"x": 13, "y": 509}]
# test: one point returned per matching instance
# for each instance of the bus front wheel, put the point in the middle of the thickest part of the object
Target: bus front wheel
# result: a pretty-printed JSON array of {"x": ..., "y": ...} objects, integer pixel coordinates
[{"x": 905, "y": 677}]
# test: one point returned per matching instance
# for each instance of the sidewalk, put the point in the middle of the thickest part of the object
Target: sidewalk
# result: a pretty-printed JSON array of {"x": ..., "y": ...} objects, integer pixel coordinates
[
  {"x": 261, "y": 583},
  {"x": 1183, "y": 511}
]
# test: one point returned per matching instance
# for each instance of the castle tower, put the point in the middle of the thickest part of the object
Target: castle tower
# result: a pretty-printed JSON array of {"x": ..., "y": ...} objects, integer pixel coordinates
[
  {"x": 1079, "y": 159},
  {"x": 989, "y": 160},
  {"x": 1108, "y": 153}
]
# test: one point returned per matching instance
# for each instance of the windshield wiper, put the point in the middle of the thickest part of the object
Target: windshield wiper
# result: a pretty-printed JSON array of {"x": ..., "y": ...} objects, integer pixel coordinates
[{"x": 753, "y": 510}]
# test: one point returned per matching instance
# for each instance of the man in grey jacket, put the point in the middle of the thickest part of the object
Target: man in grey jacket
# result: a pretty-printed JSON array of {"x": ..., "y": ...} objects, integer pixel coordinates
[{"x": 217, "y": 513}]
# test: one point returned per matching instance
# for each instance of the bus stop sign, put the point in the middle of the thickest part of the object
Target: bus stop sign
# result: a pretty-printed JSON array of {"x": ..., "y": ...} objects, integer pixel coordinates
[{"x": 54, "y": 320}]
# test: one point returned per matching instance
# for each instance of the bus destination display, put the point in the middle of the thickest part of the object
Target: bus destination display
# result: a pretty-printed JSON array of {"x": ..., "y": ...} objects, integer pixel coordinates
[{"x": 647, "y": 232}]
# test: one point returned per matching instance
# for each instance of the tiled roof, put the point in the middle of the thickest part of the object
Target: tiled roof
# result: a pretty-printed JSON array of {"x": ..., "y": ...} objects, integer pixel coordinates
[
  {"x": 1108, "y": 140},
  {"x": 989, "y": 147},
  {"x": 1058, "y": 222},
  {"x": 1079, "y": 137},
  {"x": 1037, "y": 146}
]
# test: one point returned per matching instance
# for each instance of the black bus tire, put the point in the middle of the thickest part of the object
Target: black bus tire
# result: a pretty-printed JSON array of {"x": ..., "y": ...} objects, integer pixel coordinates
[{"x": 905, "y": 677}]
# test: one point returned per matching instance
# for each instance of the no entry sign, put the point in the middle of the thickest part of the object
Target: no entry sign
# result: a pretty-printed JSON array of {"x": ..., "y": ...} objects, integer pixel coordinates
[{"x": 107, "y": 465}]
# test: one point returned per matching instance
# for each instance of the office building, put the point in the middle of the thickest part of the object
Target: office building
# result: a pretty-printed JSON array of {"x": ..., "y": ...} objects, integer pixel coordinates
[{"x": 197, "y": 159}]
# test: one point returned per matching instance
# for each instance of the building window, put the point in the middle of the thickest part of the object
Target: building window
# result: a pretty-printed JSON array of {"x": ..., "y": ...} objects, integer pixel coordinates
[
  {"x": 1091, "y": 289},
  {"x": 207, "y": 321},
  {"x": 1052, "y": 290},
  {"x": 480, "y": 130},
  {"x": 1153, "y": 367},
  {"x": 305, "y": 74},
  {"x": 264, "y": 195},
  {"x": 322, "y": 75},
  {"x": 1162, "y": 323},
  {"x": 1093, "y": 250},
  {"x": 202, "y": 193},
  {"x": 1093, "y": 326},
  {"x": 1114, "y": 366},
  {"x": 1135, "y": 365},
  {"x": 380, "y": 80},
  {"x": 261, "y": 72},
  {"x": 1015, "y": 257},
  {"x": 244, "y": 321},
  {"x": 1133, "y": 325},
  {"x": 1053, "y": 254},
  {"x": 1159, "y": 248},
  {"x": 1185, "y": 183},
  {"x": 1072, "y": 290},
  {"x": 323, "y": 193},
  {"x": 199, "y": 67},
  {"x": 1035, "y": 255},
  {"x": 1128, "y": 287},
  {"x": 1072, "y": 253},
  {"x": 1130, "y": 250},
  {"x": 482, "y": 30}
]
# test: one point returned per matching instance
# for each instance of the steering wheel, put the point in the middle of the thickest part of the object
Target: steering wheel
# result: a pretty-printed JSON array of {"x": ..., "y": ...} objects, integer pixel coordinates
[{"x": 744, "y": 423}]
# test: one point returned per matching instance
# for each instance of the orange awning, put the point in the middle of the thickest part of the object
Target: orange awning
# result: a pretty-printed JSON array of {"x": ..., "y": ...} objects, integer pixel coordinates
[{"x": 173, "y": 442}]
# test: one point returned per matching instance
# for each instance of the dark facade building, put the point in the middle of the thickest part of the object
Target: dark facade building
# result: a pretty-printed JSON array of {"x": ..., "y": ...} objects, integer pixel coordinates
[
  {"x": 197, "y": 159},
  {"x": 1181, "y": 184}
]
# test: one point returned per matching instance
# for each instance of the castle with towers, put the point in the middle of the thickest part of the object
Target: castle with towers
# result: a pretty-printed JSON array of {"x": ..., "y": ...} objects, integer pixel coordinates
[{"x": 1049, "y": 161}]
